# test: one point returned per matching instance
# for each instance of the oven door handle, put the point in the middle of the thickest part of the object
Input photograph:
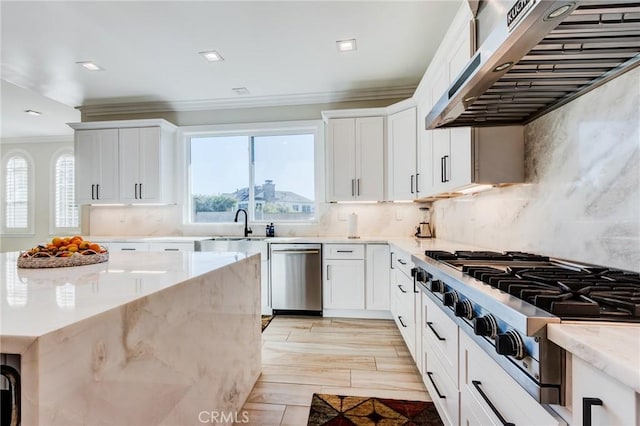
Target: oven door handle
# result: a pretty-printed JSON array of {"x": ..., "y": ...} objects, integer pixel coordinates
[{"x": 477, "y": 384}]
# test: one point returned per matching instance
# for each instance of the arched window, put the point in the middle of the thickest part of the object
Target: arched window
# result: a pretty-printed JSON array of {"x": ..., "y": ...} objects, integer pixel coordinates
[
  {"x": 65, "y": 209},
  {"x": 17, "y": 194}
]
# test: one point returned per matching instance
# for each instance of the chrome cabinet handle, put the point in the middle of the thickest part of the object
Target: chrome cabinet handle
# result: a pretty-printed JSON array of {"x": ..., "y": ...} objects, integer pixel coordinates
[
  {"x": 328, "y": 275},
  {"x": 441, "y": 396},
  {"x": 93, "y": 186},
  {"x": 353, "y": 187},
  {"x": 344, "y": 251},
  {"x": 417, "y": 180},
  {"x": 412, "y": 184},
  {"x": 97, "y": 191},
  {"x": 135, "y": 191},
  {"x": 391, "y": 260},
  {"x": 442, "y": 166},
  {"x": 127, "y": 249},
  {"x": 358, "y": 187},
  {"x": 587, "y": 403},
  {"x": 171, "y": 249},
  {"x": 476, "y": 384},
  {"x": 140, "y": 191},
  {"x": 430, "y": 325},
  {"x": 401, "y": 288},
  {"x": 402, "y": 322}
]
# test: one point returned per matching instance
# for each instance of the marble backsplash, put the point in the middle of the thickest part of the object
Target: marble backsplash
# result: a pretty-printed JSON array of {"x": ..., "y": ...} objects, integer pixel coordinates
[
  {"x": 374, "y": 220},
  {"x": 582, "y": 196}
]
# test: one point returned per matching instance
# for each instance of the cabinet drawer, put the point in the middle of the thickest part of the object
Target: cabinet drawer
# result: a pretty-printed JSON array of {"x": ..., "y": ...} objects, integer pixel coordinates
[
  {"x": 343, "y": 251},
  {"x": 620, "y": 403},
  {"x": 442, "y": 336},
  {"x": 443, "y": 391},
  {"x": 486, "y": 386},
  {"x": 171, "y": 247},
  {"x": 402, "y": 261},
  {"x": 124, "y": 246}
]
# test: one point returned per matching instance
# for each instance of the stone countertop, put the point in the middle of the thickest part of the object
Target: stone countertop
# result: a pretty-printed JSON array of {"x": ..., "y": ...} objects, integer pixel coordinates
[
  {"x": 34, "y": 302},
  {"x": 612, "y": 348}
]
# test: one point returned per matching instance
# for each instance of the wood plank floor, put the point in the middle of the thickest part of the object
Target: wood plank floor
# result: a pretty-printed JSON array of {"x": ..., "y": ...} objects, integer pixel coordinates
[{"x": 306, "y": 355}]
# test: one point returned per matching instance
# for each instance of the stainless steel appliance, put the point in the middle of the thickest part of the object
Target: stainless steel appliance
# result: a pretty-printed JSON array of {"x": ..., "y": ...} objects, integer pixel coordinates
[
  {"x": 296, "y": 278},
  {"x": 537, "y": 55},
  {"x": 504, "y": 301}
]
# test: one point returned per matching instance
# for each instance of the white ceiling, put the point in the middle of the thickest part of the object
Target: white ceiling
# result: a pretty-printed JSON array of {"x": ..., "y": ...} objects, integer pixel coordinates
[{"x": 149, "y": 49}]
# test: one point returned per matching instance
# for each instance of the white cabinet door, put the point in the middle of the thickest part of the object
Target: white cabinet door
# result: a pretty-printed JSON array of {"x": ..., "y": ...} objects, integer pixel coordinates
[
  {"x": 459, "y": 168},
  {"x": 355, "y": 159},
  {"x": 619, "y": 403},
  {"x": 341, "y": 159},
  {"x": 402, "y": 155},
  {"x": 344, "y": 284},
  {"x": 96, "y": 154},
  {"x": 369, "y": 184},
  {"x": 140, "y": 164},
  {"x": 377, "y": 277}
]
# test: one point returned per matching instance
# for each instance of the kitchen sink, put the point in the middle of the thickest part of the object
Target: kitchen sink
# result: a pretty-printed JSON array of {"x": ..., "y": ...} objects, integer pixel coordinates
[{"x": 238, "y": 238}]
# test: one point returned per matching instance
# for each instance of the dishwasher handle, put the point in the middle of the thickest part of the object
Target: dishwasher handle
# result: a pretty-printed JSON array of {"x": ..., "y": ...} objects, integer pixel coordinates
[{"x": 307, "y": 251}]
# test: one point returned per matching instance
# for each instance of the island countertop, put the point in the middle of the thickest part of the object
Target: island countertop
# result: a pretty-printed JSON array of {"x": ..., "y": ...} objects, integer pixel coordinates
[{"x": 34, "y": 302}]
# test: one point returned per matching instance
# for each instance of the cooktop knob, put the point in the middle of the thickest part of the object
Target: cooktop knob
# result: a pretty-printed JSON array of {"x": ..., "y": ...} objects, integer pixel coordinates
[
  {"x": 450, "y": 298},
  {"x": 437, "y": 286},
  {"x": 464, "y": 309},
  {"x": 485, "y": 326},
  {"x": 420, "y": 275},
  {"x": 511, "y": 344}
]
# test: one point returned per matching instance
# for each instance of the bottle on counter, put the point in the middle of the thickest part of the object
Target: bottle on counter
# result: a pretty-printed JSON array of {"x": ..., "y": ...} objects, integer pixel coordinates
[{"x": 271, "y": 230}]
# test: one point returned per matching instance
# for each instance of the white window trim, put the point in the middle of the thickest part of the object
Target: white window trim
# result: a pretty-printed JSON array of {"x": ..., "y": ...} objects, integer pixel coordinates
[
  {"x": 53, "y": 230},
  {"x": 256, "y": 129},
  {"x": 30, "y": 229}
]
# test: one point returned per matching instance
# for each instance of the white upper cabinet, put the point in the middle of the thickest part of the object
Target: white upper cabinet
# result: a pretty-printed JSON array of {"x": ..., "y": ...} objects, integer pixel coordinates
[
  {"x": 125, "y": 162},
  {"x": 144, "y": 166},
  {"x": 401, "y": 137},
  {"x": 96, "y": 153},
  {"x": 355, "y": 159}
]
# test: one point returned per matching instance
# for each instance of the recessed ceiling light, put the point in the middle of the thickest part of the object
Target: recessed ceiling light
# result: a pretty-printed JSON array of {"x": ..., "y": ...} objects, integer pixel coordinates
[
  {"x": 32, "y": 112},
  {"x": 91, "y": 66},
  {"x": 212, "y": 56},
  {"x": 241, "y": 90},
  {"x": 346, "y": 45}
]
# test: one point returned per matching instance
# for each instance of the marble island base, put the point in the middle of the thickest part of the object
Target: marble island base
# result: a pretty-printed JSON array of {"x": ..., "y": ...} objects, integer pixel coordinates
[{"x": 175, "y": 357}]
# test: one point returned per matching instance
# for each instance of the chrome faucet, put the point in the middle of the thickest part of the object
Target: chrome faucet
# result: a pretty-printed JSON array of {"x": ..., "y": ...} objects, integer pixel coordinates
[{"x": 247, "y": 230}]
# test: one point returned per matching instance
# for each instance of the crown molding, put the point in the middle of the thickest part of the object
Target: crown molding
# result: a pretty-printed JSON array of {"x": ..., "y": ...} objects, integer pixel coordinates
[
  {"x": 120, "y": 124},
  {"x": 37, "y": 139},
  {"x": 247, "y": 102}
]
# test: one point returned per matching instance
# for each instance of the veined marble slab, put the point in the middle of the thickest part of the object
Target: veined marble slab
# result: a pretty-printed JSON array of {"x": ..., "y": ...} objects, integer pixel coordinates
[
  {"x": 614, "y": 349},
  {"x": 147, "y": 338}
]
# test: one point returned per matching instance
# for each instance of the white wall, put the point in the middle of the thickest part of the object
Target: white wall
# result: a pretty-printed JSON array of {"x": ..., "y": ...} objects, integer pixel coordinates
[
  {"x": 42, "y": 154},
  {"x": 582, "y": 196}
]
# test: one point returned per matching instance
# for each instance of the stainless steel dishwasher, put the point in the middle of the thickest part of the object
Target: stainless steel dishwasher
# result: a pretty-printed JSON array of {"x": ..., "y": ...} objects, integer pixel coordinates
[{"x": 296, "y": 278}]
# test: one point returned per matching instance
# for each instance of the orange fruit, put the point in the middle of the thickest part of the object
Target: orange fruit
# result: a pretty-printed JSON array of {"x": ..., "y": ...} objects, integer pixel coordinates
[
  {"x": 57, "y": 241},
  {"x": 95, "y": 247},
  {"x": 77, "y": 237},
  {"x": 72, "y": 248},
  {"x": 84, "y": 245}
]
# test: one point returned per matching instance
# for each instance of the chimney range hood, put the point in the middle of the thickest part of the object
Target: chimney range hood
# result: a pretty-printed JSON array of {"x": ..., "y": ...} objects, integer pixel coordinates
[{"x": 540, "y": 55}]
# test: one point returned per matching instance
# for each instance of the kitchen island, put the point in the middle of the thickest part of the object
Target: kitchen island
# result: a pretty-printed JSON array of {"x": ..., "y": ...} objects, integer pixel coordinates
[{"x": 145, "y": 338}]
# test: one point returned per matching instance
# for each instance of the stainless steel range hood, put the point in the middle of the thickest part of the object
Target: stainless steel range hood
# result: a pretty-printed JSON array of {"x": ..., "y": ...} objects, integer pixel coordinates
[{"x": 552, "y": 52}]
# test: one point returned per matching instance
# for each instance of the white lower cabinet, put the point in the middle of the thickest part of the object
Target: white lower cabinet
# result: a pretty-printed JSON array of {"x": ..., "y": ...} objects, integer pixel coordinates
[
  {"x": 344, "y": 276},
  {"x": 377, "y": 277},
  {"x": 443, "y": 391},
  {"x": 403, "y": 299},
  {"x": 598, "y": 399},
  {"x": 489, "y": 396}
]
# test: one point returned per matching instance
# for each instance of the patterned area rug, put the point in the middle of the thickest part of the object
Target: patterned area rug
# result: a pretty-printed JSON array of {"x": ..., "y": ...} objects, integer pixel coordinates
[
  {"x": 266, "y": 319},
  {"x": 337, "y": 410}
]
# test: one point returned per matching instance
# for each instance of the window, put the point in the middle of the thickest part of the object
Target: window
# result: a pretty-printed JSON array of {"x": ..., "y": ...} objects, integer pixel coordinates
[
  {"x": 65, "y": 209},
  {"x": 270, "y": 174},
  {"x": 18, "y": 184}
]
